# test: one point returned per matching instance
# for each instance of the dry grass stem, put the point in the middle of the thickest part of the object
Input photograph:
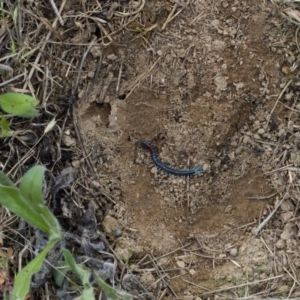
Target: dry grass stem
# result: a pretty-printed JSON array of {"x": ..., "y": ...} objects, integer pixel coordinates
[
  {"x": 267, "y": 219},
  {"x": 12, "y": 79},
  {"x": 167, "y": 254},
  {"x": 57, "y": 12},
  {"x": 142, "y": 77},
  {"x": 279, "y": 97},
  {"x": 42, "y": 48},
  {"x": 277, "y": 261},
  {"x": 241, "y": 285}
]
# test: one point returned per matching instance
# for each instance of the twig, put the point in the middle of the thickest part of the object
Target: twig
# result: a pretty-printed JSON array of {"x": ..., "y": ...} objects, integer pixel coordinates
[
  {"x": 171, "y": 15},
  {"x": 266, "y": 220},
  {"x": 12, "y": 79},
  {"x": 161, "y": 273},
  {"x": 99, "y": 65},
  {"x": 197, "y": 285},
  {"x": 277, "y": 260},
  {"x": 57, "y": 13},
  {"x": 263, "y": 197},
  {"x": 167, "y": 254},
  {"x": 83, "y": 149},
  {"x": 169, "y": 18},
  {"x": 142, "y": 77},
  {"x": 241, "y": 285},
  {"x": 119, "y": 79},
  {"x": 74, "y": 88},
  {"x": 120, "y": 14},
  {"x": 281, "y": 94},
  {"x": 285, "y": 168},
  {"x": 42, "y": 48}
]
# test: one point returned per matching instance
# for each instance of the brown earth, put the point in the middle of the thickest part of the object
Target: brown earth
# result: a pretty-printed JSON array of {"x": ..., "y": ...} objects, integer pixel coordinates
[
  {"x": 198, "y": 80},
  {"x": 193, "y": 90}
]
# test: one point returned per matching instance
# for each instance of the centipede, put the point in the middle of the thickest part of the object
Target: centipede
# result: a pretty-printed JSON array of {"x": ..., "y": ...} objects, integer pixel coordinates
[{"x": 166, "y": 168}]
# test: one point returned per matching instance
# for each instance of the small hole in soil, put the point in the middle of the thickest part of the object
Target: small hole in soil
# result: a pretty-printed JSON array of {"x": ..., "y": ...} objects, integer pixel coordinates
[{"x": 102, "y": 110}]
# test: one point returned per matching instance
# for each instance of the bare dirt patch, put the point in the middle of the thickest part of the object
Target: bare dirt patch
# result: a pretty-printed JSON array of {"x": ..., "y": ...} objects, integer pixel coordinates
[{"x": 195, "y": 90}]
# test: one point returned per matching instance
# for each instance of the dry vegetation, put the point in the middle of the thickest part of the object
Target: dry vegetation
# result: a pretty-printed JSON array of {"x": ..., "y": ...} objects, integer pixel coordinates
[{"x": 215, "y": 83}]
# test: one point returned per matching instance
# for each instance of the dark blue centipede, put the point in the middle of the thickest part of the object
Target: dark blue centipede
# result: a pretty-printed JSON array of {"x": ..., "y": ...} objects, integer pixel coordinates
[{"x": 168, "y": 169}]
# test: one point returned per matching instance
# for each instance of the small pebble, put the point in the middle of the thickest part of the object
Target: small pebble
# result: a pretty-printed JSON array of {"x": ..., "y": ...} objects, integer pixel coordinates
[
  {"x": 246, "y": 139},
  {"x": 180, "y": 264},
  {"x": 76, "y": 163},
  {"x": 297, "y": 262},
  {"x": 117, "y": 232},
  {"x": 231, "y": 155},
  {"x": 261, "y": 131},
  {"x": 286, "y": 216},
  {"x": 154, "y": 170},
  {"x": 239, "y": 150},
  {"x": 233, "y": 252},
  {"x": 280, "y": 244},
  {"x": 288, "y": 96},
  {"x": 192, "y": 272}
]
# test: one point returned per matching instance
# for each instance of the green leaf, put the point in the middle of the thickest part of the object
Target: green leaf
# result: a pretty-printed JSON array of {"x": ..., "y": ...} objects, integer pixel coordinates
[
  {"x": 27, "y": 202},
  {"x": 87, "y": 293},
  {"x": 5, "y": 181},
  {"x": 23, "y": 279},
  {"x": 12, "y": 199},
  {"x": 112, "y": 293},
  {"x": 31, "y": 185},
  {"x": 5, "y": 128},
  {"x": 59, "y": 273},
  {"x": 83, "y": 273},
  {"x": 19, "y": 104},
  {"x": 31, "y": 191}
]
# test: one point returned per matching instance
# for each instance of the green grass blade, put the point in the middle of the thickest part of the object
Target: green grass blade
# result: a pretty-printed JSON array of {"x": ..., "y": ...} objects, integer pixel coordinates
[
  {"x": 23, "y": 279},
  {"x": 28, "y": 53},
  {"x": 1, "y": 8},
  {"x": 13, "y": 47},
  {"x": 15, "y": 16},
  {"x": 19, "y": 104}
]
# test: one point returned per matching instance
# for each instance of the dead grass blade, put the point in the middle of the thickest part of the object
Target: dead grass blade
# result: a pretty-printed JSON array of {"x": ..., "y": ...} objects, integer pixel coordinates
[{"x": 267, "y": 219}]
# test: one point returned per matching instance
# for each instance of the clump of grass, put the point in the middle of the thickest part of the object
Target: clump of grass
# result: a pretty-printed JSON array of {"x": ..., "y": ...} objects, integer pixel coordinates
[{"x": 27, "y": 202}]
